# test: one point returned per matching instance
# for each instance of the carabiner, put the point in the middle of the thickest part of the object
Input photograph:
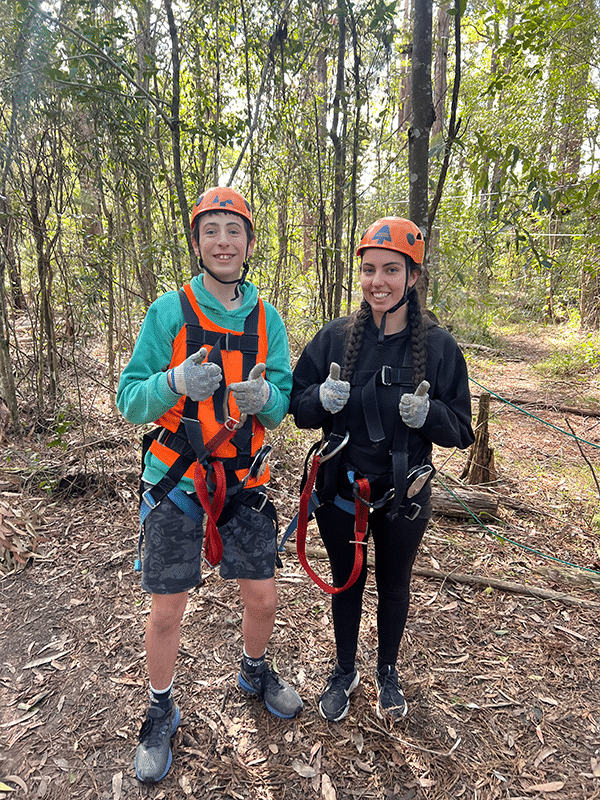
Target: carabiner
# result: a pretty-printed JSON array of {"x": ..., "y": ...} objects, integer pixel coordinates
[
  {"x": 335, "y": 450},
  {"x": 376, "y": 503},
  {"x": 231, "y": 423}
]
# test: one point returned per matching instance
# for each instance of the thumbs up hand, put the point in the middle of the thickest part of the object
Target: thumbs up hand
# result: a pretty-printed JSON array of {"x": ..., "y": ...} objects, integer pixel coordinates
[
  {"x": 196, "y": 380},
  {"x": 415, "y": 407},
  {"x": 251, "y": 396},
  {"x": 334, "y": 393}
]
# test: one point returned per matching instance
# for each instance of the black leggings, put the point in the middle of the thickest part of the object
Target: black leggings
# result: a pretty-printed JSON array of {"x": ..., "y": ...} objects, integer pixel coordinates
[{"x": 396, "y": 544}]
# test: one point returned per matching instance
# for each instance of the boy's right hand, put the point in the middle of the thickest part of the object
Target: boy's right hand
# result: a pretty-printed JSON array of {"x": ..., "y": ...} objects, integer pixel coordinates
[
  {"x": 196, "y": 380},
  {"x": 334, "y": 393}
]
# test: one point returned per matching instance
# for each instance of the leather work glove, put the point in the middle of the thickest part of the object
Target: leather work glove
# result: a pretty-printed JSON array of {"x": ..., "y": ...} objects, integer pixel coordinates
[
  {"x": 252, "y": 395},
  {"x": 196, "y": 380},
  {"x": 415, "y": 407},
  {"x": 334, "y": 393}
]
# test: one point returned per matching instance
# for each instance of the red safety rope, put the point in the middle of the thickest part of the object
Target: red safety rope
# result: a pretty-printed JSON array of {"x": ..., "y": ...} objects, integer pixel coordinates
[
  {"x": 213, "y": 545},
  {"x": 360, "y": 529}
]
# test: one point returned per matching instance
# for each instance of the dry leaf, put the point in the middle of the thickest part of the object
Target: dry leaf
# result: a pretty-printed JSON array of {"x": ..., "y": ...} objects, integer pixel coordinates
[
  {"x": 304, "y": 770},
  {"x": 364, "y": 766},
  {"x": 450, "y": 606},
  {"x": 184, "y": 782},
  {"x": 314, "y": 750},
  {"x": 548, "y": 751},
  {"x": 539, "y": 734},
  {"x": 327, "y": 790},
  {"x": 555, "y": 786},
  {"x": 595, "y": 767},
  {"x": 117, "y": 785},
  {"x": 19, "y": 781},
  {"x": 359, "y": 742}
]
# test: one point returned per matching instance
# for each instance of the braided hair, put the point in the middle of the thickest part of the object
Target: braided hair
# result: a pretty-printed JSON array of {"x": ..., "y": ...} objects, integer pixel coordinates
[{"x": 418, "y": 327}]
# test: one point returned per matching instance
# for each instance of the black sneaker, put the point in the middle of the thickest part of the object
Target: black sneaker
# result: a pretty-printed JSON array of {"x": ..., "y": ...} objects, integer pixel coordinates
[
  {"x": 279, "y": 697},
  {"x": 391, "y": 703},
  {"x": 335, "y": 700},
  {"x": 153, "y": 757}
]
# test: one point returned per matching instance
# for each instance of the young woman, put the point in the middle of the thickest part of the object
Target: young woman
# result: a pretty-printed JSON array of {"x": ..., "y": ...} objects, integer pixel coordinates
[{"x": 403, "y": 386}]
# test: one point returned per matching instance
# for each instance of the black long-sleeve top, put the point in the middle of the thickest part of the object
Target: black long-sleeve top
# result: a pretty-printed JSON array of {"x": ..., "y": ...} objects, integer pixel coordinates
[{"x": 448, "y": 422}]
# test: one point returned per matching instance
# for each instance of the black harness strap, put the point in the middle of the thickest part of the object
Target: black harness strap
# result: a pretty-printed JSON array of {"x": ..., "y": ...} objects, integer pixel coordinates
[
  {"x": 370, "y": 381},
  {"x": 247, "y": 343}
]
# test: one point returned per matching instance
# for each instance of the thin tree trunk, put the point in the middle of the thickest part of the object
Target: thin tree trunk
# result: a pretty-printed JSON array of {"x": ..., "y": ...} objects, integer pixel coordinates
[
  {"x": 418, "y": 134},
  {"x": 176, "y": 137},
  {"x": 339, "y": 164}
]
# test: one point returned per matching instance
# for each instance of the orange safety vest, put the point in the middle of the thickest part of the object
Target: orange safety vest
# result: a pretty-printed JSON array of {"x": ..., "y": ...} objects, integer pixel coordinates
[{"x": 236, "y": 353}]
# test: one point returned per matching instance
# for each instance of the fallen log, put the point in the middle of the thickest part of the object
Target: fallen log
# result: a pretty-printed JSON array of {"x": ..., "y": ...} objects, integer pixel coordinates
[
  {"x": 483, "y": 504},
  {"x": 534, "y": 401},
  {"x": 474, "y": 580}
]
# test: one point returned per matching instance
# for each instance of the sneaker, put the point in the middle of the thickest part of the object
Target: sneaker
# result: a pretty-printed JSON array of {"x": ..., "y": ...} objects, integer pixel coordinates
[
  {"x": 153, "y": 757},
  {"x": 391, "y": 703},
  {"x": 335, "y": 700},
  {"x": 279, "y": 697}
]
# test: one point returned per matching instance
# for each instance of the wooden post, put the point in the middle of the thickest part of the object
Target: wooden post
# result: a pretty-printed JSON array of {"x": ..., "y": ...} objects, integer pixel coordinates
[{"x": 480, "y": 466}]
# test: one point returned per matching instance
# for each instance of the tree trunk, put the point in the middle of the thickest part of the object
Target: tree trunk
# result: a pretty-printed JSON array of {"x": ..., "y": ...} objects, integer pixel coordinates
[
  {"x": 418, "y": 134},
  {"x": 176, "y": 138},
  {"x": 339, "y": 166},
  {"x": 480, "y": 465}
]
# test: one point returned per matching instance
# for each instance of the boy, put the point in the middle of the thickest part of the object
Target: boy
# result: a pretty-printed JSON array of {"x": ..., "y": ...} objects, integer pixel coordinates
[{"x": 197, "y": 369}]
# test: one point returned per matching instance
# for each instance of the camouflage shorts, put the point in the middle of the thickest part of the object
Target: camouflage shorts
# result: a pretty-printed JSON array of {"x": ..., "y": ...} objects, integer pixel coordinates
[{"x": 172, "y": 554}]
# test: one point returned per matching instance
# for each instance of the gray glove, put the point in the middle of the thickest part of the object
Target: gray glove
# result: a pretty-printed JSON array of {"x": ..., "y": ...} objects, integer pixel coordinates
[
  {"x": 196, "y": 380},
  {"x": 251, "y": 395},
  {"x": 415, "y": 407},
  {"x": 334, "y": 393}
]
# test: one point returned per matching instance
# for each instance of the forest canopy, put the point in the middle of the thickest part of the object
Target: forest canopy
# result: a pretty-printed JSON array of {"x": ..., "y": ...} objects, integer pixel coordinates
[{"x": 115, "y": 115}]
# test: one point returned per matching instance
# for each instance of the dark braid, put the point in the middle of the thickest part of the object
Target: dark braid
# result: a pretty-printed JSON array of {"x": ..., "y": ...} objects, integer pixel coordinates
[
  {"x": 354, "y": 339},
  {"x": 418, "y": 332}
]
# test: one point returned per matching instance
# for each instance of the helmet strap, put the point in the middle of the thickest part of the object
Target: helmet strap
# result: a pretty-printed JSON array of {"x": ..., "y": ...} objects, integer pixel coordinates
[
  {"x": 391, "y": 310},
  {"x": 238, "y": 281}
]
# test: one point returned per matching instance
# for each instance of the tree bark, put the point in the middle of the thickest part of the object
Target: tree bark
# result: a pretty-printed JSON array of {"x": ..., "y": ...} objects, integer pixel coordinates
[
  {"x": 480, "y": 465},
  {"x": 418, "y": 133}
]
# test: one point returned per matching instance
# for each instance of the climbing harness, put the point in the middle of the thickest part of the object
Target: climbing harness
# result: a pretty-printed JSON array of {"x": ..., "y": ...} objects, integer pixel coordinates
[
  {"x": 227, "y": 462},
  {"x": 405, "y": 483}
]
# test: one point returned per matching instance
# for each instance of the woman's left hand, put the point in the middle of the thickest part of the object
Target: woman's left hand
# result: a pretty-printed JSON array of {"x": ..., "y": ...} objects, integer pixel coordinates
[{"x": 415, "y": 407}]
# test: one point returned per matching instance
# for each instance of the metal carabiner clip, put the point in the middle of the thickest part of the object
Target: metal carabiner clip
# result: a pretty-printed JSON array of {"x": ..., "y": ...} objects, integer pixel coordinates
[
  {"x": 231, "y": 423},
  {"x": 258, "y": 464},
  {"x": 335, "y": 450},
  {"x": 375, "y": 503}
]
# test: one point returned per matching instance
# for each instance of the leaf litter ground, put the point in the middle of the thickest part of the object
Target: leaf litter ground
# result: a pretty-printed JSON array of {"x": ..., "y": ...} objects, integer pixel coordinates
[{"x": 502, "y": 687}]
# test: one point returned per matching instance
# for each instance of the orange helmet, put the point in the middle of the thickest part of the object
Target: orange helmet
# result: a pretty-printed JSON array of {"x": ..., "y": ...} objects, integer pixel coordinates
[
  {"x": 222, "y": 198},
  {"x": 395, "y": 233}
]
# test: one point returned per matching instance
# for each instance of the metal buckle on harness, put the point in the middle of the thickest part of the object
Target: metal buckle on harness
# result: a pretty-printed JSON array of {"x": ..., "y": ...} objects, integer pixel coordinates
[
  {"x": 413, "y": 513},
  {"x": 335, "y": 450},
  {"x": 148, "y": 499},
  {"x": 386, "y": 375},
  {"x": 263, "y": 502}
]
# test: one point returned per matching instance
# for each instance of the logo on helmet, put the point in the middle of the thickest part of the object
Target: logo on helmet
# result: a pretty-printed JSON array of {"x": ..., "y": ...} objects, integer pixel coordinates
[{"x": 382, "y": 235}]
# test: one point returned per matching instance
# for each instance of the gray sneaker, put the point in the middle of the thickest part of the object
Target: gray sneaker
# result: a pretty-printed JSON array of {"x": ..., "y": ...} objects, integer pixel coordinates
[
  {"x": 153, "y": 757},
  {"x": 279, "y": 697},
  {"x": 391, "y": 703},
  {"x": 335, "y": 700}
]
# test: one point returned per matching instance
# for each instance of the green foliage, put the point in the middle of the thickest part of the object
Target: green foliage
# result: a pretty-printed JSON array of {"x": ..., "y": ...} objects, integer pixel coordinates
[{"x": 575, "y": 357}]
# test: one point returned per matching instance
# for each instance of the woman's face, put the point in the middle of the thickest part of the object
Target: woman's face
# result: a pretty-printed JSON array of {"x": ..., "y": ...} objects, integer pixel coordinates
[{"x": 383, "y": 279}]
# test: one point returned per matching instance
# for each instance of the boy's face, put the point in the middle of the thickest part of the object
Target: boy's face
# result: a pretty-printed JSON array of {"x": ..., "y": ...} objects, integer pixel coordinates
[{"x": 223, "y": 244}]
